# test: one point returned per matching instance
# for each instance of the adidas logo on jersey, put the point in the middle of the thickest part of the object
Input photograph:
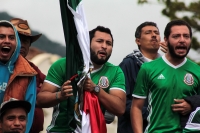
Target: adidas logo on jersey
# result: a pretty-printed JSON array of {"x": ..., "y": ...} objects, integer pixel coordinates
[{"x": 161, "y": 76}]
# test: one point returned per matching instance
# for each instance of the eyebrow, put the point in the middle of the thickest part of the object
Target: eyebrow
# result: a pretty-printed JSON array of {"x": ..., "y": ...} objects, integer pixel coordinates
[
  {"x": 16, "y": 116},
  {"x": 181, "y": 34},
  {"x": 151, "y": 30},
  {"x": 104, "y": 39},
  {"x": 3, "y": 35}
]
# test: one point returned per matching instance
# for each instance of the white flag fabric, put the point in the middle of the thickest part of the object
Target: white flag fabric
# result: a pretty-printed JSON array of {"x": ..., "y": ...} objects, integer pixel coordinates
[{"x": 92, "y": 118}]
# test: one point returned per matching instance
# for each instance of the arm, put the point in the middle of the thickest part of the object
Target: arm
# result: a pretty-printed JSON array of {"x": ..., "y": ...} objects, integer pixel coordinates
[
  {"x": 130, "y": 69},
  {"x": 114, "y": 102},
  {"x": 186, "y": 105},
  {"x": 47, "y": 96},
  {"x": 181, "y": 106},
  {"x": 55, "y": 89},
  {"x": 136, "y": 115}
]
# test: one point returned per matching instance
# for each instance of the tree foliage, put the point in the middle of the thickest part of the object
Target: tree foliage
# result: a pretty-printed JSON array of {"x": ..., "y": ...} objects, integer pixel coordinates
[{"x": 178, "y": 9}]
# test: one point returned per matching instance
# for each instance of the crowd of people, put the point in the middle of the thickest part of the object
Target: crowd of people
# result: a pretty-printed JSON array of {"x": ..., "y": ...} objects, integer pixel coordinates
[{"x": 148, "y": 92}]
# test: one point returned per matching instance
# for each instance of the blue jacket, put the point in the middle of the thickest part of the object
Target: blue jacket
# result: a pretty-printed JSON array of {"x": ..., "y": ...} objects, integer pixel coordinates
[{"x": 130, "y": 66}]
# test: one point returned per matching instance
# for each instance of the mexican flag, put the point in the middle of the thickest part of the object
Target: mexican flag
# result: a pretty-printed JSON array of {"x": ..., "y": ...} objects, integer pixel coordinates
[
  {"x": 92, "y": 118},
  {"x": 87, "y": 112}
]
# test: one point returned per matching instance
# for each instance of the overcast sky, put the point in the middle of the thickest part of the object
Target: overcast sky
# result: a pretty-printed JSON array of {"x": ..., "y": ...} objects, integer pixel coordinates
[{"x": 121, "y": 16}]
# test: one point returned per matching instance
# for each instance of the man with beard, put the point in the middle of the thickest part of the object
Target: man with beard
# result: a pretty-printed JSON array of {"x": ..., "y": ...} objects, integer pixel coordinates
[
  {"x": 107, "y": 83},
  {"x": 165, "y": 82}
]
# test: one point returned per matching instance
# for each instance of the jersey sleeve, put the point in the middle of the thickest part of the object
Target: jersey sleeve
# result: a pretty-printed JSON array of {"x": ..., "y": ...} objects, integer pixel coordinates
[
  {"x": 56, "y": 73},
  {"x": 119, "y": 81},
  {"x": 141, "y": 86}
]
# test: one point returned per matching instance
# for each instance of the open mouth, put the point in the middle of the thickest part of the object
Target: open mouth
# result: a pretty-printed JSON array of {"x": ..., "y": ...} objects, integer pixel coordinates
[
  {"x": 5, "y": 50},
  {"x": 181, "y": 48},
  {"x": 102, "y": 53}
]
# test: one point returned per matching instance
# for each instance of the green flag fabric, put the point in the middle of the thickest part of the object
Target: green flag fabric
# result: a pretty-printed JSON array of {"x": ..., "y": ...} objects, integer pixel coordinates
[{"x": 77, "y": 52}]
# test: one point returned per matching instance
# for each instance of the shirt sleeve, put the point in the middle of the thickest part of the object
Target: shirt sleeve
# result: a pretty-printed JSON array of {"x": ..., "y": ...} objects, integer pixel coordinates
[
  {"x": 56, "y": 73},
  {"x": 31, "y": 97},
  {"x": 141, "y": 86},
  {"x": 119, "y": 82}
]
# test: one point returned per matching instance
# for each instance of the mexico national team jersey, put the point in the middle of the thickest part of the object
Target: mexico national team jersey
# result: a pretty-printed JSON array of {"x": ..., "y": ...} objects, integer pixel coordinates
[
  {"x": 193, "y": 124},
  {"x": 108, "y": 77},
  {"x": 62, "y": 121},
  {"x": 161, "y": 82}
]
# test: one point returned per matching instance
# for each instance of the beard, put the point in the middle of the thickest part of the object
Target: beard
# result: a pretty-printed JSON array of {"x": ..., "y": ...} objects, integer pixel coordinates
[
  {"x": 173, "y": 53},
  {"x": 96, "y": 60}
]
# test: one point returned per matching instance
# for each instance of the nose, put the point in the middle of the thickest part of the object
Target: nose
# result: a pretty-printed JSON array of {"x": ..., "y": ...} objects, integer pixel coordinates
[
  {"x": 6, "y": 39},
  {"x": 104, "y": 45},
  {"x": 16, "y": 122},
  {"x": 154, "y": 34},
  {"x": 182, "y": 39}
]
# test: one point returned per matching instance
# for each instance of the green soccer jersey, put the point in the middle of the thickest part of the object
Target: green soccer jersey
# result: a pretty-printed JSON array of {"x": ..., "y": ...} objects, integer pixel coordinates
[
  {"x": 162, "y": 82},
  {"x": 108, "y": 77},
  {"x": 193, "y": 123},
  {"x": 62, "y": 116}
]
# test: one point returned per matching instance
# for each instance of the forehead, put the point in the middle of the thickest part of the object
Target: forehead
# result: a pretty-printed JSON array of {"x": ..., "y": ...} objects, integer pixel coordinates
[
  {"x": 102, "y": 35},
  {"x": 182, "y": 29},
  {"x": 147, "y": 28},
  {"x": 15, "y": 112},
  {"x": 6, "y": 30}
]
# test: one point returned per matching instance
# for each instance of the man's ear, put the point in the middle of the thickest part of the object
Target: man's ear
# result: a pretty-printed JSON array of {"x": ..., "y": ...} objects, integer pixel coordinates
[{"x": 137, "y": 40}]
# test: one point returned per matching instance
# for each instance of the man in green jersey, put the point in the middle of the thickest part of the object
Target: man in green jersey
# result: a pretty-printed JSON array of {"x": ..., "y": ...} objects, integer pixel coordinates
[
  {"x": 166, "y": 82},
  {"x": 107, "y": 83}
]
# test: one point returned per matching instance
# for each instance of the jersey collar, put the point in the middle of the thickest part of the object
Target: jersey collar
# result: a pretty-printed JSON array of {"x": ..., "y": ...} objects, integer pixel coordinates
[{"x": 170, "y": 64}]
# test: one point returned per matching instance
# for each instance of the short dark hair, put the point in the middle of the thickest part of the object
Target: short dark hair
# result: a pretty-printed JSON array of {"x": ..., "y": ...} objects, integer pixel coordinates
[
  {"x": 175, "y": 23},
  {"x": 139, "y": 28},
  {"x": 101, "y": 29},
  {"x": 5, "y": 24}
]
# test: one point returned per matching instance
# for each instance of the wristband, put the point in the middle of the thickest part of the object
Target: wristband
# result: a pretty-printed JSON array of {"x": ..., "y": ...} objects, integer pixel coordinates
[{"x": 57, "y": 96}]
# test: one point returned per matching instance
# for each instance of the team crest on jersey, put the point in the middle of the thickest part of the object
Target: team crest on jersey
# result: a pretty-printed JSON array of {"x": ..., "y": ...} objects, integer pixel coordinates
[
  {"x": 103, "y": 82},
  {"x": 188, "y": 79}
]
